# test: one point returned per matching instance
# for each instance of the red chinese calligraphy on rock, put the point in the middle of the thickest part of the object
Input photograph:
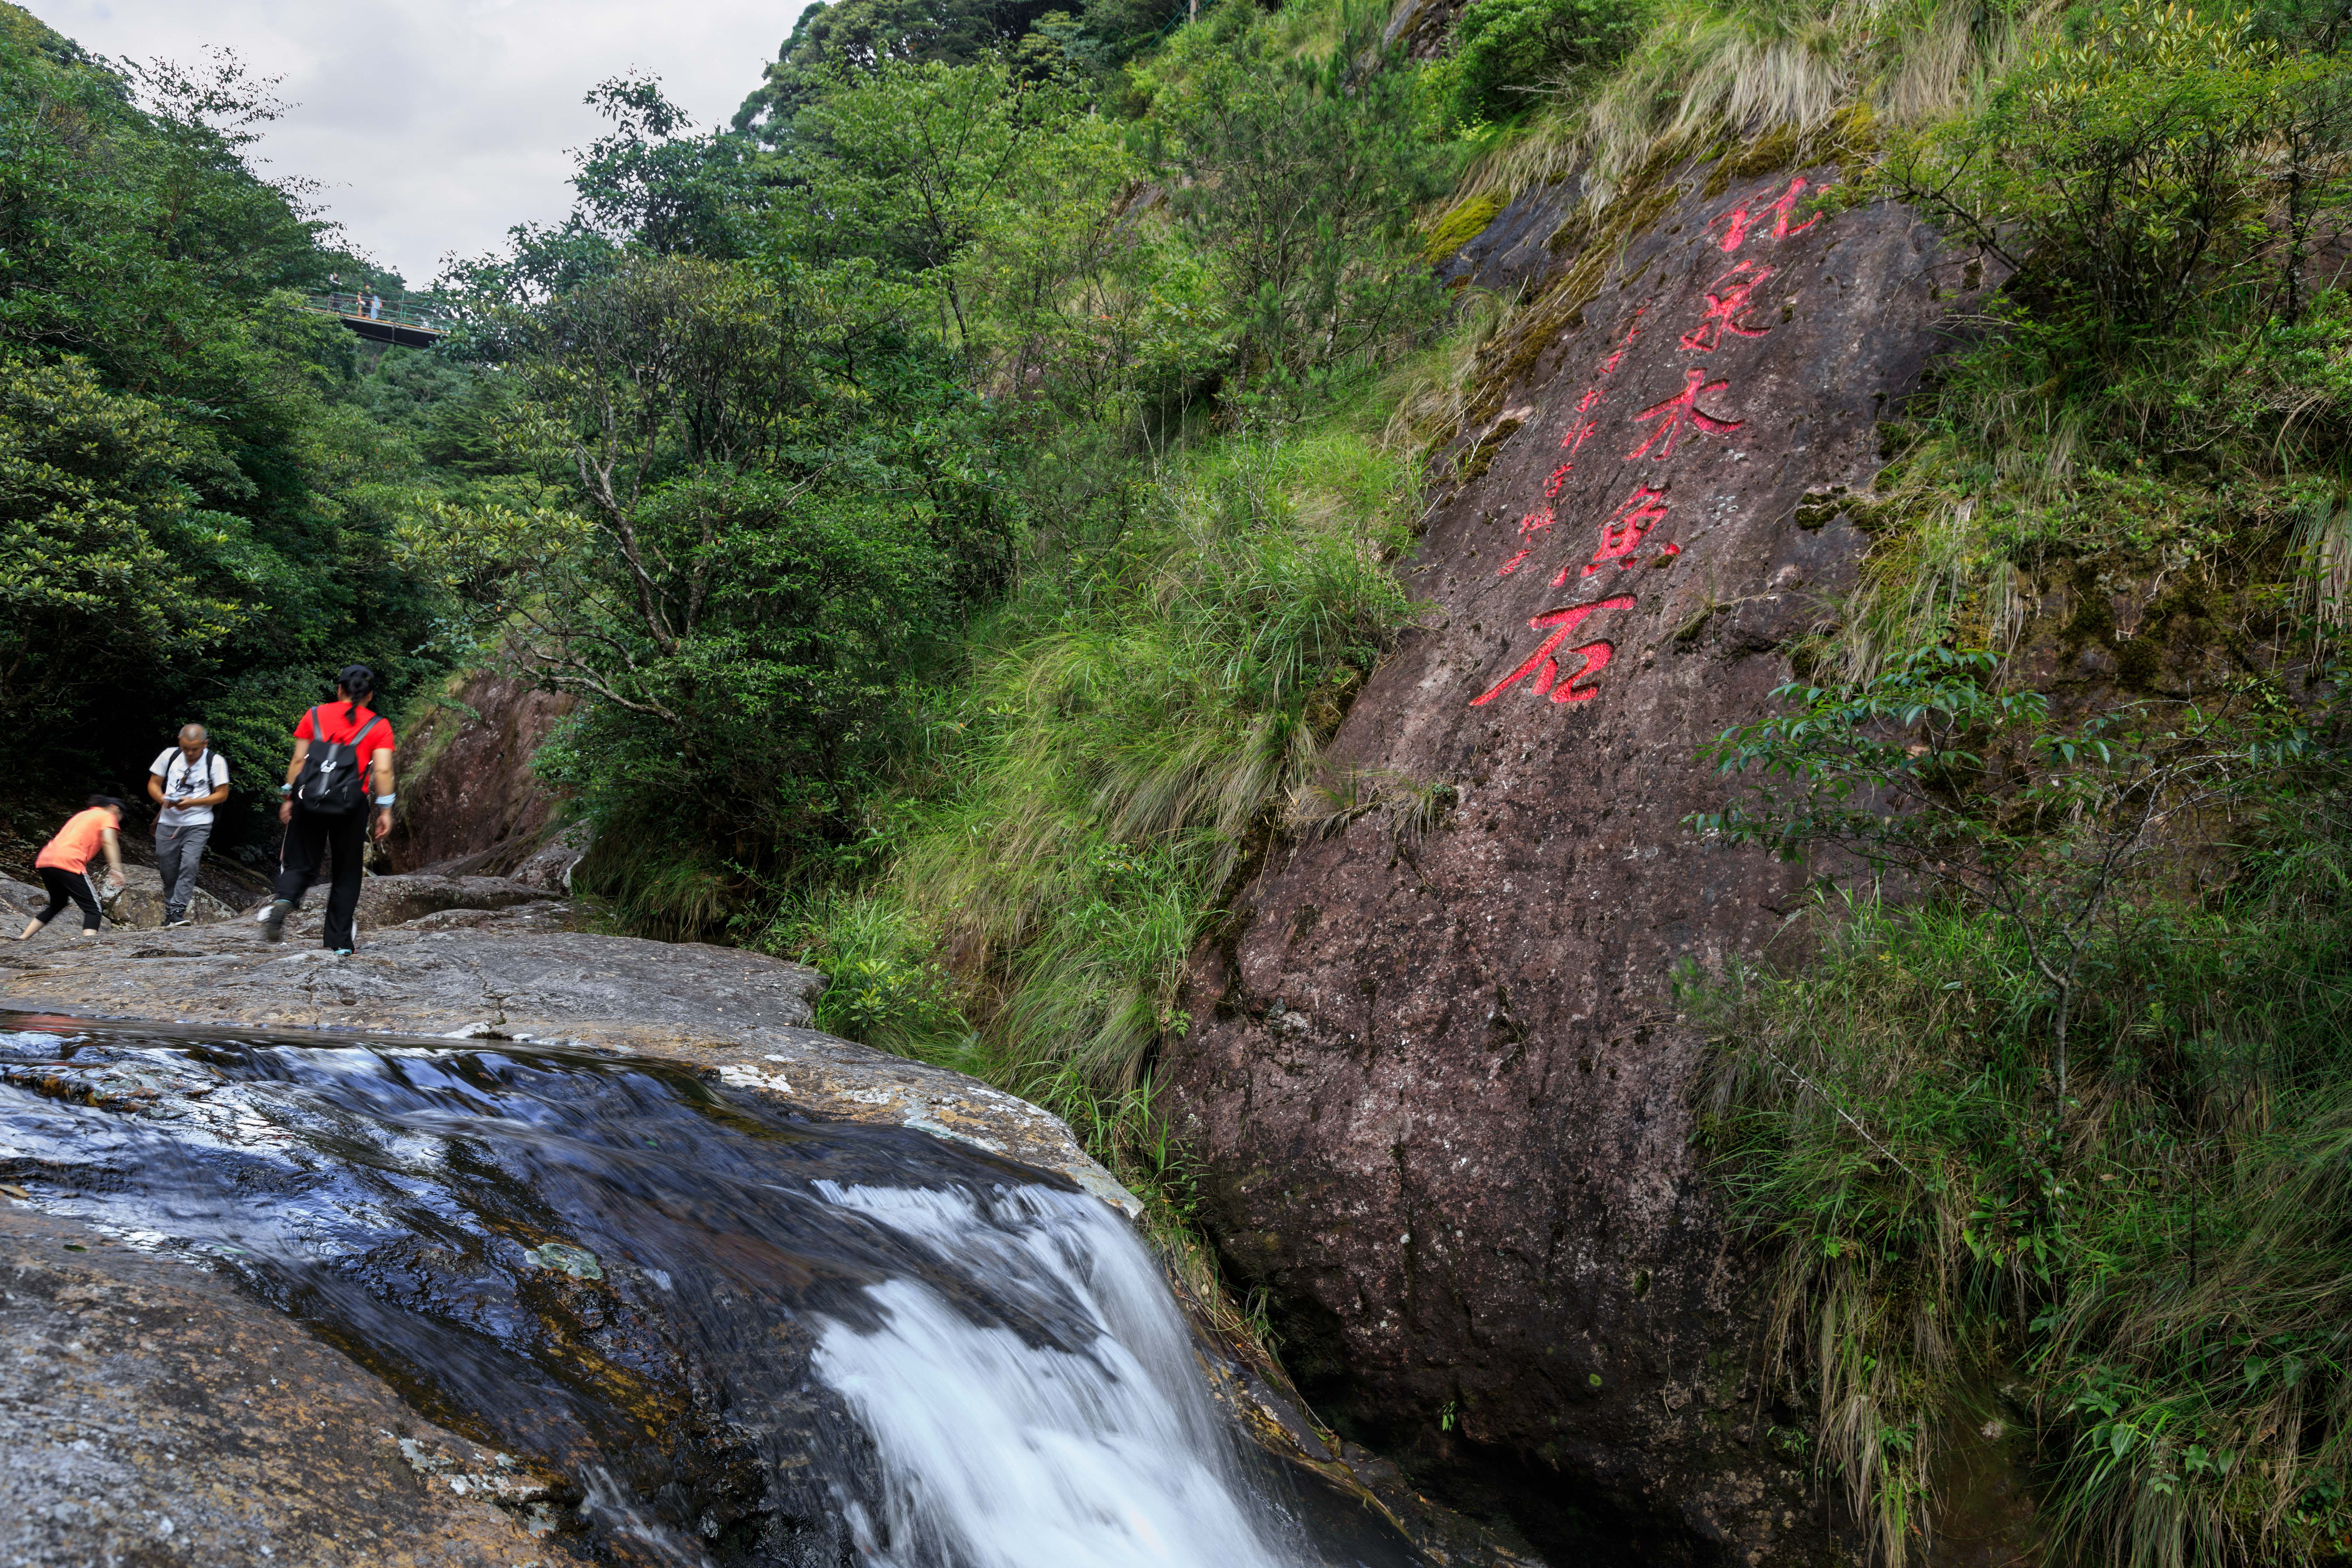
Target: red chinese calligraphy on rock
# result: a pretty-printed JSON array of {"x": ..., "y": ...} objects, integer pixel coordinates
[
  {"x": 1727, "y": 298},
  {"x": 1620, "y": 536},
  {"x": 1741, "y": 218},
  {"x": 1617, "y": 356},
  {"x": 1535, "y": 522},
  {"x": 1544, "y": 663},
  {"x": 1679, "y": 410}
]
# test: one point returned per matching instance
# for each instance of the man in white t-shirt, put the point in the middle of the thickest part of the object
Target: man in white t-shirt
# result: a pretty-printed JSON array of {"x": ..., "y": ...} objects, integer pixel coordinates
[{"x": 187, "y": 781}]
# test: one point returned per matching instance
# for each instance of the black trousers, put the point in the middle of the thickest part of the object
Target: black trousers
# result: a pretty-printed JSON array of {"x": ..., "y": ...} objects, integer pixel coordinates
[
  {"x": 312, "y": 840},
  {"x": 72, "y": 886}
]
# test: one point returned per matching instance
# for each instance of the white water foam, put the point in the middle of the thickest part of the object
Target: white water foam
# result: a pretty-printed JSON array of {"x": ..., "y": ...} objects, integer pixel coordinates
[{"x": 1000, "y": 1454}]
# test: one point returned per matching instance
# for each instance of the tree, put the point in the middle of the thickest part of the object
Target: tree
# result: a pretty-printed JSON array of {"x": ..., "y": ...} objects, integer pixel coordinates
[
  {"x": 100, "y": 529},
  {"x": 909, "y": 168},
  {"x": 851, "y": 39},
  {"x": 759, "y": 581},
  {"x": 196, "y": 518},
  {"x": 1301, "y": 184}
]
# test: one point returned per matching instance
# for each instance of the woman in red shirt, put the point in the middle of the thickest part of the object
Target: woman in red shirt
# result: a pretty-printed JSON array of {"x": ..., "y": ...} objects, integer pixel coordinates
[
  {"x": 312, "y": 836},
  {"x": 64, "y": 863}
]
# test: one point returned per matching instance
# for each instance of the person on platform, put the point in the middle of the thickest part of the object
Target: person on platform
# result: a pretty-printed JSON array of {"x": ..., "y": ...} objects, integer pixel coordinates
[
  {"x": 64, "y": 864},
  {"x": 187, "y": 781},
  {"x": 341, "y": 766}
]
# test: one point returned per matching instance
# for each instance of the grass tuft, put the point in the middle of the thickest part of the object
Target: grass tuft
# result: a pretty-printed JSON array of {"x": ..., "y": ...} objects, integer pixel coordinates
[{"x": 2159, "y": 1267}]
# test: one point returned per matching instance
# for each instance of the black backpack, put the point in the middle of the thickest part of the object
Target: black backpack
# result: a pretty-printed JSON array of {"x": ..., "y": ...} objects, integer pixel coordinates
[{"x": 332, "y": 782}]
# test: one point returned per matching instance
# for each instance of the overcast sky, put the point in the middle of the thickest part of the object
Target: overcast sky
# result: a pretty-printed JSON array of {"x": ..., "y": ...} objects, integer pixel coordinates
[{"x": 436, "y": 124}]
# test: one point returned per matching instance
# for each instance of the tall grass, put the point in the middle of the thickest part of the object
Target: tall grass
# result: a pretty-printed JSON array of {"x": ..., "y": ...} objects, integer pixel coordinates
[
  {"x": 1132, "y": 733},
  {"x": 1715, "y": 72},
  {"x": 2159, "y": 1266},
  {"x": 2184, "y": 461},
  {"x": 1129, "y": 748}
]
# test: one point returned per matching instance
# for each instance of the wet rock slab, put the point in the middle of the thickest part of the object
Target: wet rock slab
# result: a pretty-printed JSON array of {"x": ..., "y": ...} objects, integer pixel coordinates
[
  {"x": 153, "y": 1412},
  {"x": 150, "y": 1414},
  {"x": 741, "y": 1017}
]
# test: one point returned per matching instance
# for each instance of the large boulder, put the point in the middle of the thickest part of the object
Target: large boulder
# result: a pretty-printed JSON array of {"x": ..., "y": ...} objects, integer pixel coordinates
[
  {"x": 1436, "y": 1082},
  {"x": 550, "y": 867},
  {"x": 139, "y": 906}
]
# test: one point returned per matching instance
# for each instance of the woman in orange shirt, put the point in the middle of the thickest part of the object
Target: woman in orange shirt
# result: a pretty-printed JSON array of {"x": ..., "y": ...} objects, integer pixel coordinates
[{"x": 64, "y": 863}]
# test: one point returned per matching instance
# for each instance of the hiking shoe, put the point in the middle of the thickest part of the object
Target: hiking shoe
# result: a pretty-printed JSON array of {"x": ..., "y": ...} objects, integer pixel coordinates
[
  {"x": 273, "y": 921},
  {"x": 174, "y": 925},
  {"x": 340, "y": 951}
]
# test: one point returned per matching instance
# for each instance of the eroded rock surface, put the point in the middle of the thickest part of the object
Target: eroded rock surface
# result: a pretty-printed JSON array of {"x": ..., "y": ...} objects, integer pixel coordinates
[
  {"x": 155, "y": 1414},
  {"x": 398, "y": 900},
  {"x": 501, "y": 973},
  {"x": 1436, "y": 1078},
  {"x": 468, "y": 791}
]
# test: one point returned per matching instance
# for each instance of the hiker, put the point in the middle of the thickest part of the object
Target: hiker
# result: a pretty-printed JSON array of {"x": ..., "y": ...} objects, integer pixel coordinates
[
  {"x": 187, "y": 781},
  {"x": 64, "y": 864},
  {"x": 342, "y": 760}
]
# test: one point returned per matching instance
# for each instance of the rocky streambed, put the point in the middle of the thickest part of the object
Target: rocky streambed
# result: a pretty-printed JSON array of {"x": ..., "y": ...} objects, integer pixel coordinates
[{"x": 505, "y": 1242}]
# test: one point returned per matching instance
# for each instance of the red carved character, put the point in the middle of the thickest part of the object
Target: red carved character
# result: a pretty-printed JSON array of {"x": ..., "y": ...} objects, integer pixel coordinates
[
  {"x": 1787, "y": 205},
  {"x": 1559, "y": 477},
  {"x": 1622, "y": 534},
  {"x": 1739, "y": 219},
  {"x": 1544, "y": 664},
  {"x": 1535, "y": 522},
  {"x": 1727, "y": 298},
  {"x": 1618, "y": 354},
  {"x": 1674, "y": 411}
]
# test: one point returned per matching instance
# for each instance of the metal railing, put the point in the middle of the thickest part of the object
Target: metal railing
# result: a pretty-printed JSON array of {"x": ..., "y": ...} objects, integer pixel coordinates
[{"x": 375, "y": 308}]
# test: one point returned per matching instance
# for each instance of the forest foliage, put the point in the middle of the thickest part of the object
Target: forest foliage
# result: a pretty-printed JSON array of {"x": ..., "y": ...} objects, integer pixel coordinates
[
  {"x": 964, "y": 492},
  {"x": 197, "y": 508}
]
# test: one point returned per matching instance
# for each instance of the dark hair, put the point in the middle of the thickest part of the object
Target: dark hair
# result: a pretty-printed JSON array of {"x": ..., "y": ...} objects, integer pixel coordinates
[
  {"x": 358, "y": 681},
  {"x": 107, "y": 801}
]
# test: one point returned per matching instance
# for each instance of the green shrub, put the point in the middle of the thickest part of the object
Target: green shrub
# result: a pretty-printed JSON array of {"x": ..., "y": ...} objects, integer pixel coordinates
[
  {"x": 882, "y": 987},
  {"x": 1508, "y": 53},
  {"x": 2133, "y": 176},
  {"x": 2062, "y": 1124}
]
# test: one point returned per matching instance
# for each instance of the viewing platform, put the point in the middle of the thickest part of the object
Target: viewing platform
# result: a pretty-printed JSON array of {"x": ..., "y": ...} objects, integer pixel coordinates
[{"x": 381, "y": 321}]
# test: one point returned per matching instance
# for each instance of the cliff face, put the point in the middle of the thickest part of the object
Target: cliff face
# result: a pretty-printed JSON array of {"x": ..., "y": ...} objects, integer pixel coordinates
[
  {"x": 474, "y": 796},
  {"x": 1437, "y": 1080}
]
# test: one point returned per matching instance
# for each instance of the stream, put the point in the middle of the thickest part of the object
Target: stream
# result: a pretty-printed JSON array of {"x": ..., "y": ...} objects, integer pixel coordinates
[{"x": 721, "y": 1334}]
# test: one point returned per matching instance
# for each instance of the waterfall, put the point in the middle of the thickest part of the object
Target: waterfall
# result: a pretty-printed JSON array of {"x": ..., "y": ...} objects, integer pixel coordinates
[
  {"x": 1000, "y": 1453},
  {"x": 855, "y": 1341}
]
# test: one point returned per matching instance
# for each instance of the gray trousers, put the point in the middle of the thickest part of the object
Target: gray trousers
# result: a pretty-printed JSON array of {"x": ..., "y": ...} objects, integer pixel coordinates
[{"x": 177, "y": 850}]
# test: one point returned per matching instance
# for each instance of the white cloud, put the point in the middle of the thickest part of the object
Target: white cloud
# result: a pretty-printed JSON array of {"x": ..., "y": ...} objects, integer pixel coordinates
[{"x": 436, "y": 124}]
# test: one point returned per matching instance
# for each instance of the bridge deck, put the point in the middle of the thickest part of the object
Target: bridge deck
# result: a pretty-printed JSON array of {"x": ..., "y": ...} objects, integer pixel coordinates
[{"x": 380, "y": 321}]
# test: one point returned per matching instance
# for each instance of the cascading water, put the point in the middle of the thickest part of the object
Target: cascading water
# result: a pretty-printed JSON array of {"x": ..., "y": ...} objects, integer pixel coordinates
[{"x": 739, "y": 1336}]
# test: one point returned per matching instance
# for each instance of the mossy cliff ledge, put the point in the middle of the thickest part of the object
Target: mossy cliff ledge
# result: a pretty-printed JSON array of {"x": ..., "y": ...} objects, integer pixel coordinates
[{"x": 1434, "y": 1078}]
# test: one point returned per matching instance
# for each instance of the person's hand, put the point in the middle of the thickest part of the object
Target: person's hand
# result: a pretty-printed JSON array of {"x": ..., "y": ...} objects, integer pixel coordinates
[
  {"x": 285, "y": 811},
  {"x": 114, "y": 883},
  {"x": 383, "y": 823}
]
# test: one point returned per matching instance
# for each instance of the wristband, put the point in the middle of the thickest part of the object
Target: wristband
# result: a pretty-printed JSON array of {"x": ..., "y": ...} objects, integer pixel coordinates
[
  {"x": 285, "y": 789},
  {"x": 387, "y": 799}
]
